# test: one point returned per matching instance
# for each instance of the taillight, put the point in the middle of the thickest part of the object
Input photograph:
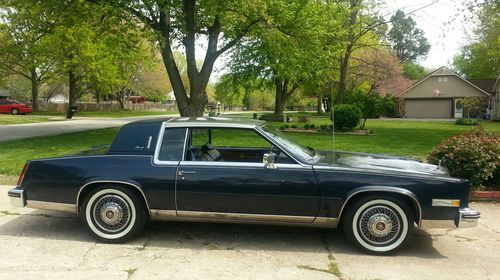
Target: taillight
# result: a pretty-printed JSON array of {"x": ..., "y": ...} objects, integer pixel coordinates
[{"x": 21, "y": 177}]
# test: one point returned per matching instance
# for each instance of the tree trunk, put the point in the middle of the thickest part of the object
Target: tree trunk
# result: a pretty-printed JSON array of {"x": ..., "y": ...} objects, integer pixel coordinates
[
  {"x": 344, "y": 63},
  {"x": 319, "y": 103},
  {"x": 34, "y": 89},
  {"x": 73, "y": 92},
  {"x": 282, "y": 95}
]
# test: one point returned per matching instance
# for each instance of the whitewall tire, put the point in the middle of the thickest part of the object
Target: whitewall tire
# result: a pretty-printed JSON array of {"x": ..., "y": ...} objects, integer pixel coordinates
[
  {"x": 378, "y": 225},
  {"x": 113, "y": 213}
]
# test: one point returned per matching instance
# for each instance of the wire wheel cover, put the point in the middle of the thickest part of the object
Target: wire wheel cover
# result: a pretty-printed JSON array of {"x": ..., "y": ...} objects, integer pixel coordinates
[
  {"x": 111, "y": 213},
  {"x": 379, "y": 225}
]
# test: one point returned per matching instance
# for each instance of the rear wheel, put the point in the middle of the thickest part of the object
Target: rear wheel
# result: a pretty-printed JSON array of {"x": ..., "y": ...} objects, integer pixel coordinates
[
  {"x": 14, "y": 111},
  {"x": 113, "y": 214},
  {"x": 378, "y": 224}
]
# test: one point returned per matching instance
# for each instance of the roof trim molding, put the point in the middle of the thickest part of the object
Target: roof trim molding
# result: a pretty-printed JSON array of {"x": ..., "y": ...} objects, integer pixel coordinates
[{"x": 432, "y": 74}]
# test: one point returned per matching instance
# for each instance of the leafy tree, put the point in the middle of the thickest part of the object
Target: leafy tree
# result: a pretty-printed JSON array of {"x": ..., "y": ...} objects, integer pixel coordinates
[
  {"x": 218, "y": 24},
  {"x": 364, "y": 29},
  {"x": 470, "y": 105},
  {"x": 480, "y": 58},
  {"x": 228, "y": 91},
  {"x": 291, "y": 48},
  {"x": 407, "y": 41},
  {"x": 373, "y": 68},
  {"x": 24, "y": 47},
  {"x": 371, "y": 105},
  {"x": 413, "y": 71}
]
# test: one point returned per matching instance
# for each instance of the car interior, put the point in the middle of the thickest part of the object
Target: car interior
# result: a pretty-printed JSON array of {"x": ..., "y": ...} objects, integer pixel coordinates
[{"x": 230, "y": 145}]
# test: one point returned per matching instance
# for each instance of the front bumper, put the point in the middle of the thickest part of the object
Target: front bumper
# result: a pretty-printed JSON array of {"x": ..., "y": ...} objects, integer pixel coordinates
[
  {"x": 17, "y": 197},
  {"x": 466, "y": 218}
]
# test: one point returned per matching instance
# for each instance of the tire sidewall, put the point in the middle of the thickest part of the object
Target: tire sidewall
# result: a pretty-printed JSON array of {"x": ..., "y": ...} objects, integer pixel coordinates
[
  {"x": 136, "y": 208},
  {"x": 351, "y": 227}
]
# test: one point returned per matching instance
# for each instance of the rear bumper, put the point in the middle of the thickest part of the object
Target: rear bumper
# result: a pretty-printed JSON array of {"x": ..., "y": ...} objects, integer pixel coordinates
[
  {"x": 17, "y": 197},
  {"x": 466, "y": 218}
]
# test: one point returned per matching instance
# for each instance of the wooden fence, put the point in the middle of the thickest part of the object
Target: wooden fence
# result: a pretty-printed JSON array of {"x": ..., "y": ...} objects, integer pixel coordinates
[{"x": 107, "y": 106}]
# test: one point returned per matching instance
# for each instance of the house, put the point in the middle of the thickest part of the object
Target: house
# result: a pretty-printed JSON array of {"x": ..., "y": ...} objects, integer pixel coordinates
[
  {"x": 437, "y": 96},
  {"x": 4, "y": 94}
]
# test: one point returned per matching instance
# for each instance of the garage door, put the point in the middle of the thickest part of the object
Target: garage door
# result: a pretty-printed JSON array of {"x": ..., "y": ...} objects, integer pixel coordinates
[{"x": 428, "y": 108}]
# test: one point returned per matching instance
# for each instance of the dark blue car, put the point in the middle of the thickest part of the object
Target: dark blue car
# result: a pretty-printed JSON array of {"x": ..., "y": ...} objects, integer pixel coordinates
[{"x": 226, "y": 170}]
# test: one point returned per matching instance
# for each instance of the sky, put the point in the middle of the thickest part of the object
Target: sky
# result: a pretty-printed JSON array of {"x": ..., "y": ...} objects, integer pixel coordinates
[{"x": 445, "y": 40}]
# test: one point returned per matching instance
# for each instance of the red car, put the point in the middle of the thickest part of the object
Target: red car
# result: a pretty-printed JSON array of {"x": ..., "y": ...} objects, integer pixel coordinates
[{"x": 14, "y": 107}]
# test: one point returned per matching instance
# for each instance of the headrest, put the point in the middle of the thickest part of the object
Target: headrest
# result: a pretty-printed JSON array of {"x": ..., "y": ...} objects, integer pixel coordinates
[{"x": 207, "y": 147}]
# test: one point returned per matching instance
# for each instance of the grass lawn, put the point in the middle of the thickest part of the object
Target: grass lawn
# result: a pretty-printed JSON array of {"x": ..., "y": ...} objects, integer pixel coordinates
[
  {"x": 20, "y": 119},
  {"x": 395, "y": 137},
  {"x": 15, "y": 153},
  {"x": 110, "y": 114}
]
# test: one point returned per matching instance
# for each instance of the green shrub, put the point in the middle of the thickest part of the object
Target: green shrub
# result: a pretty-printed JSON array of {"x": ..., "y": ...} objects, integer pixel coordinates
[
  {"x": 287, "y": 126},
  {"x": 312, "y": 126},
  {"x": 282, "y": 127},
  {"x": 346, "y": 117},
  {"x": 273, "y": 118},
  {"x": 467, "y": 121},
  {"x": 293, "y": 126},
  {"x": 323, "y": 127},
  {"x": 473, "y": 155}
]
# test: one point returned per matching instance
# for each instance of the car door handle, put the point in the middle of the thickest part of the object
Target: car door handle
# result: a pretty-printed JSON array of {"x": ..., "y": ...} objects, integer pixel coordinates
[{"x": 182, "y": 172}]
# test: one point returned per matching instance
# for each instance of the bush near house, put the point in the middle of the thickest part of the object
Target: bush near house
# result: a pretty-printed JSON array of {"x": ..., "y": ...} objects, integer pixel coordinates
[
  {"x": 473, "y": 155},
  {"x": 346, "y": 117},
  {"x": 466, "y": 121}
]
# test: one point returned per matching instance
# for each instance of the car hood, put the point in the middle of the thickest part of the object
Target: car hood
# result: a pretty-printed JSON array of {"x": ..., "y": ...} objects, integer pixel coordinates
[{"x": 379, "y": 163}]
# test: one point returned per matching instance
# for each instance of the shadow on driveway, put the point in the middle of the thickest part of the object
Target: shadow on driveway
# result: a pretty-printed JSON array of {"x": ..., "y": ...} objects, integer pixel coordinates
[{"x": 211, "y": 236}]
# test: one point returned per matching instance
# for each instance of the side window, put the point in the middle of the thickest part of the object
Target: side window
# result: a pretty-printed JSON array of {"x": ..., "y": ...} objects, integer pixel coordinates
[
  {"x": 230, "y": 145},
  {"x": 172, "y": 144},
  {"x": 238, "y": 138}
]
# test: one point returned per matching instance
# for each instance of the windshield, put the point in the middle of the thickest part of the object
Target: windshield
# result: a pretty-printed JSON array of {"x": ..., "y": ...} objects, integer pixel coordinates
[{"x": 307, "y": 155}]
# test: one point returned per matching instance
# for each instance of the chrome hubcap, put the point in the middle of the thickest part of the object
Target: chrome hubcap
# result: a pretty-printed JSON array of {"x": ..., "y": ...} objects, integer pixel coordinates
[
  {"x": 111, "y": 213},
  {"x": 379, "y": 225}
]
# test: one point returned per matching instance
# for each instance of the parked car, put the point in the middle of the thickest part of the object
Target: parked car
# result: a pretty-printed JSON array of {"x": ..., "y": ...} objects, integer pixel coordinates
[
  {"x": 14, "y": 107},
  {"x": 224, "y": 170}
]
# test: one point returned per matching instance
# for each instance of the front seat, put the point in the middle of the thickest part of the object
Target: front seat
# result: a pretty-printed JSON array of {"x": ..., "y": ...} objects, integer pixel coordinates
[{"x": 210, "y": 153}]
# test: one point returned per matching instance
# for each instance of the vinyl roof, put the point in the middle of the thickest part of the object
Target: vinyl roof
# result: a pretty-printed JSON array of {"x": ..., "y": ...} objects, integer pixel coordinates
[{"x": 203, "y": 122}]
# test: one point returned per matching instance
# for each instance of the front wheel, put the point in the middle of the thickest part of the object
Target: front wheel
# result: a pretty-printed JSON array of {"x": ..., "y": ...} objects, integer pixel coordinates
[
  {"x": 378, "y": 225},
  {"x": 14, "y": 111},
  {"x": 113, "y": 214}
]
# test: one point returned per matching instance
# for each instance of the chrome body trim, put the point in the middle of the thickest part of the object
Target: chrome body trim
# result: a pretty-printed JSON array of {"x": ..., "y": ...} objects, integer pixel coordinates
[
  {"x": 244, "y": 216},
  {"x": 326, "y": 222},
  {"x": 16, "y": 197},
  {"x": 217, "y": 217},
  {"x": 404, "y": 192},
  {"x": 242, "y": 164},
  {"x": 385, "y": 172},
  {"x": 52, "y": 206},
  {"x": 156, "y": 155},
  {"x": 205, "y": 122},
  {"x": 445, "y": 202},
  {"x": 112, "y": 182}
]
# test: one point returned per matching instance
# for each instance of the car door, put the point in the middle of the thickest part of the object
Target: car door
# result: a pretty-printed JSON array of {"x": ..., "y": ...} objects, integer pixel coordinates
[{"x": 241, "y": 189}]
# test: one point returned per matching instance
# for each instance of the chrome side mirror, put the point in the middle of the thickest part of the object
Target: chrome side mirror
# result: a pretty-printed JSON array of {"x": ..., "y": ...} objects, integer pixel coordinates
[{"x": 269, "y": 159}]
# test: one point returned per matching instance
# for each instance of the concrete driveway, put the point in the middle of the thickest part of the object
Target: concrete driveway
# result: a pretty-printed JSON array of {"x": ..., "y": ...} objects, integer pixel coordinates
[{"x": 48, "y": 245}]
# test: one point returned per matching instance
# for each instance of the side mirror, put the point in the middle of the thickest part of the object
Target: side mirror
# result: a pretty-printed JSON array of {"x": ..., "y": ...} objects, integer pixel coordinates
[{"x": 269, "y": 159}]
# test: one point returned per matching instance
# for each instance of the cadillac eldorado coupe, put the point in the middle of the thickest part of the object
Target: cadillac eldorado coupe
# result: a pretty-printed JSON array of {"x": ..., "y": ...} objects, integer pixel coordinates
[{"x": 229, "y": 170}]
